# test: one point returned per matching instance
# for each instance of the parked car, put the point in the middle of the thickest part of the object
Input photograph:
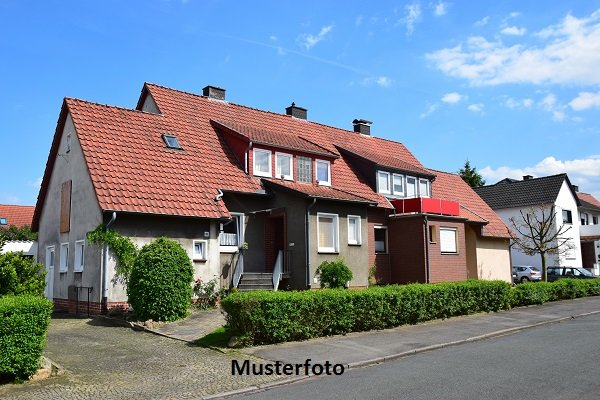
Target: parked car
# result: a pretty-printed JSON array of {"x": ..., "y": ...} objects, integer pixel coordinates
[
  {"x": 526, "y": 273},
  {"x": 555, "y": 273}
]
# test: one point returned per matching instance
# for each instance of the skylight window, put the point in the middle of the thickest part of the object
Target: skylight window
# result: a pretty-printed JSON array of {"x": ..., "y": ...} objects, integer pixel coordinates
[
  {"x": 3, "y": 221},
  {"x": 171, "y": 142}
]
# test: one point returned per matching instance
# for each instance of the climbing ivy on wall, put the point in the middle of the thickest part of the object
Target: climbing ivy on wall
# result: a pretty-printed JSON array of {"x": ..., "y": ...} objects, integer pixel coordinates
[{"x": 122, "y": 247}]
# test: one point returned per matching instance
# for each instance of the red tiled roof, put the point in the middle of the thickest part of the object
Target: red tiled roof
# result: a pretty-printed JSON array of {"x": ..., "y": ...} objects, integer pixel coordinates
[
  {"x": 451, "y": 187},
  {"x": 274, "y": 138},
  {"x": 320, "y": 192},
  {"x": 132, "y": 170},
  {"x": 588, "y": 201},
  {"x": 379, "y": 157},
  {"x": 16, "y": 215}
]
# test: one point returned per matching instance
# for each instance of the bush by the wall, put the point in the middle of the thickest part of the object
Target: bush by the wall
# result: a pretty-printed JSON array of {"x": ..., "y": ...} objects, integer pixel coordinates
[
  {"x": 20, "y": 274},
  {"x": 541, "y": 292},
  {"x": 23, "y": 324},
  {"x": 272, "y": 317},
  {"x": 160, "y": 283},
  {"x": 334, "y": 274}
]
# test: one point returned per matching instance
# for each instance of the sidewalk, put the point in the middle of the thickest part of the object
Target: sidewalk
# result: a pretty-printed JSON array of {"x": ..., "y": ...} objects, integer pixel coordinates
[{"x": 366, "y": 348}]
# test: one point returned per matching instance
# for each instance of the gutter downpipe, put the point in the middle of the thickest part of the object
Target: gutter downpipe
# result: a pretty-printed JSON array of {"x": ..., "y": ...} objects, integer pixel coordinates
[
  {"x": 105, "y": 267},
  {"x": 306, "y": 229},
  {"x": 426, "y": 249}
]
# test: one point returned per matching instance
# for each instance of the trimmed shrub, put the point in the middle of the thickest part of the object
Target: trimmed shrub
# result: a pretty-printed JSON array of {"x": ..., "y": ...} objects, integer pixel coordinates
[
  {"x": 272, "y": 317},
  {"x": 20, "y": 274},
  {"x": 23, "y": 324},
  {"x": 334, "y": 274},
  {"x": 160, "y": 284}
]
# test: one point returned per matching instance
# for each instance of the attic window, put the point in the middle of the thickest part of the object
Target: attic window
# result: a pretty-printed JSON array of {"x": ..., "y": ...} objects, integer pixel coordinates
[
  {"x": 3, "y": 221},
  {"x": 171, "y": 142}
]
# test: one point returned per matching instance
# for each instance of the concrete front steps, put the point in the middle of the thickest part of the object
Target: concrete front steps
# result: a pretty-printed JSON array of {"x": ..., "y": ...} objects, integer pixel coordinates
[{"x": 256, "y": 281}]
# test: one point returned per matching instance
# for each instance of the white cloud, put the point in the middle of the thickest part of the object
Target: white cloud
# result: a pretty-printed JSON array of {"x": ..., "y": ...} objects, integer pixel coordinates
[
  {"x": 477, "y": 107},
  {"x": 440, "y": 9},
  {"x": 527, "y": 103},
  {"x": 513, "y": 31},
  {"x": 513, "y": 103},
  {"x": 430, "y": 109},
  {"x": 483, "y": 21},
  {"x": 411, "y": 17},
  {"x": 549, "y": 102},
  {"x": 584, "y": 172},
  {"x": 585, "y": 100},
  {"x": 273, "y": 38},
  {"x": 452, "y": 98},
  {"x": 308, "y": 40},
  {"x": 358, "y": 21},
  {"x": 382, "y": 81},
  {"x": 566, "y": 53}
]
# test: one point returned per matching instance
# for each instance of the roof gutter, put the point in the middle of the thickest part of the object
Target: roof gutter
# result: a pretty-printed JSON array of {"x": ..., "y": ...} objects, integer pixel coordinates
[{"x": 105, "y": 266}]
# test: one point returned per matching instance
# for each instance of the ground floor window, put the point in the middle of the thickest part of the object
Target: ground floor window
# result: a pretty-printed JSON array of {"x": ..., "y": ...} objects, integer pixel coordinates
[
  {"x": 448, "y": 240},
  {"x": 199, "y": 250},
  {"x": 79, "y": 256},
  {"x": 354, "y": 229},
  {"x": 231, "y": 236},
  {"x": 327, "y": 232},
  {"x": 381, "y": 243}
]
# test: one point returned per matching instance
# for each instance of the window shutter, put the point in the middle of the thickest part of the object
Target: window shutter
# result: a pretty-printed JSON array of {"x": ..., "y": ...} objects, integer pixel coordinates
[{"x": 65, "y": 207}]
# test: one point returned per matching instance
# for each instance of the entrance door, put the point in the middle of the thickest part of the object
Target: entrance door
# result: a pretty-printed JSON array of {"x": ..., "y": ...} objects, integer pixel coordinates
[
  {"x": 50, "y": 272},
  {"x": 275, "y": 239}
]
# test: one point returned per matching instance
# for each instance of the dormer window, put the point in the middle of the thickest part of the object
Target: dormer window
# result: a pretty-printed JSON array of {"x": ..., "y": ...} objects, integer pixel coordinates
[
  {"x": 383, "y": 182},
  {"x": 262, "y": 162},
  {"x": 411, "y": 186},
  {"x": 423, "y": 187},
  {"x": 323, "y": 172},
  {"x": 284, "y": 165},
  {"x": 398, "y": 184},
  {"x": 171, "y": 142}
]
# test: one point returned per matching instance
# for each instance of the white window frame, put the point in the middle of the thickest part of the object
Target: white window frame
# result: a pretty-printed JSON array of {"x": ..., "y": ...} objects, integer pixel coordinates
[
  {"x": 385, "y": 176},
  {"x": 384, "y": 228},
  {"x": 278, "y": 174},
  {"x": 204, "y": 246},
  {"x": 240, "y": 220},
  {"x": 64, "y": 257},
  {"x": 444, "y": 245},
  {"x": 426, "y": 181},
  {"x": 416, "y": 185},
  {"x": 336, "y": 233},
  {"x": 357, "y": 227},
  {"x": 79, "y": 256},
  {"x": 398, "y": 193},
  {"x": 255, "y": 172},
  {"x": 50, "y": 260},
  {"x": 324, "y": 162}
]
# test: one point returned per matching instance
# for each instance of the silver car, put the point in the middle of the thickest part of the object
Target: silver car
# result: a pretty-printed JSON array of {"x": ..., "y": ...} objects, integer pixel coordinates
[{"x": 526, "y": 273}]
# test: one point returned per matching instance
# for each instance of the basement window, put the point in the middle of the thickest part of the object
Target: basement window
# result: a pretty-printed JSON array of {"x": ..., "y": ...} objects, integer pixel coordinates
[{"x": 171, "y": 142}]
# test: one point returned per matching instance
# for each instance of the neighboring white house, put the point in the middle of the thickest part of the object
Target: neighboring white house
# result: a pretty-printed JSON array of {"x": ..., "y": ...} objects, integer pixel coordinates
[
  {"x": 509, "y": 197},
  {"x": 589, "y": 218}
]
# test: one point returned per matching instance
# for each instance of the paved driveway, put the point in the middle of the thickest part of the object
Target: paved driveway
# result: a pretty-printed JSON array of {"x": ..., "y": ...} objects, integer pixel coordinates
[{"x": 105, "y": 362}]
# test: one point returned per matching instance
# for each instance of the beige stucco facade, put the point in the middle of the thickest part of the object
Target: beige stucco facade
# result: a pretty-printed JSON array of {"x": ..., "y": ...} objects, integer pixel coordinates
[{"x": 488, "y": 258}]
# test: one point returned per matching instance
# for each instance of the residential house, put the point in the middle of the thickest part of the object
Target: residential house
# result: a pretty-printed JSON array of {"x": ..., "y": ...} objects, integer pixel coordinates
[
  {"x": 509, "y": 198},
  {"x": 257, "y": 198},
  {"x": 589, "y": 231},
  {"x": 19, "y": 216}
]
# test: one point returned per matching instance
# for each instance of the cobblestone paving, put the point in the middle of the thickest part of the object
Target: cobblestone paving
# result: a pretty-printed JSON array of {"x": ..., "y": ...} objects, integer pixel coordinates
[{"x": 105, "y": 362}]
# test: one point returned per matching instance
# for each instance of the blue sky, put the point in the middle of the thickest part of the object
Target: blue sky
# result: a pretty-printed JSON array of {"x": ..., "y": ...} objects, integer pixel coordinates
[{"x": 512, "y": 86}]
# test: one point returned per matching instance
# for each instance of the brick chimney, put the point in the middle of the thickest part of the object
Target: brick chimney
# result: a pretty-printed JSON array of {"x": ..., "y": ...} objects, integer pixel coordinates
[
  {"x": 296, "y": 112},
  {"x": 214, "y": 92},
  {"x": 527, "y": 177},
  {"x": 362, "y": 126}
]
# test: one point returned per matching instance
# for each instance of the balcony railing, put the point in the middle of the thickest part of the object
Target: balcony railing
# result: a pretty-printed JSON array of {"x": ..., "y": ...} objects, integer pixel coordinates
[
  {"x": 426, "y": 205},
  {"x": 589, "y": 230}
]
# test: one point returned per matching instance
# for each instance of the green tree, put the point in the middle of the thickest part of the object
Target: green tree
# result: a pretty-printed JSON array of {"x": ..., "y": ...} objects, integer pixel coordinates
[
  {"x": 160, "y": 283},
  {"x": 20, "y": 274},
  {"x": 471, "y": 176},
  {"x": 17, "y": 233}
]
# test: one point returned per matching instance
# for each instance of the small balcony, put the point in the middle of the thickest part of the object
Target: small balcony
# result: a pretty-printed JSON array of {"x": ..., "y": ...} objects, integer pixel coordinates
[
  {"x": 425, "y": 205},
  {"x": 589, "y": 231}
]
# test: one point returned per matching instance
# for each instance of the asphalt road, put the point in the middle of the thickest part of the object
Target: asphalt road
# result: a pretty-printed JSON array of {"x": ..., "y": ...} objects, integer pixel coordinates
[{"x": 555, "y": 361}]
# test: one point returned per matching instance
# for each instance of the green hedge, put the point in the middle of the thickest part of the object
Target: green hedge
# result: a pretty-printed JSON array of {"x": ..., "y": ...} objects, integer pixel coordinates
[
  {"x": 271, "y": 317},
  {"x": 23, "y": 324}
]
